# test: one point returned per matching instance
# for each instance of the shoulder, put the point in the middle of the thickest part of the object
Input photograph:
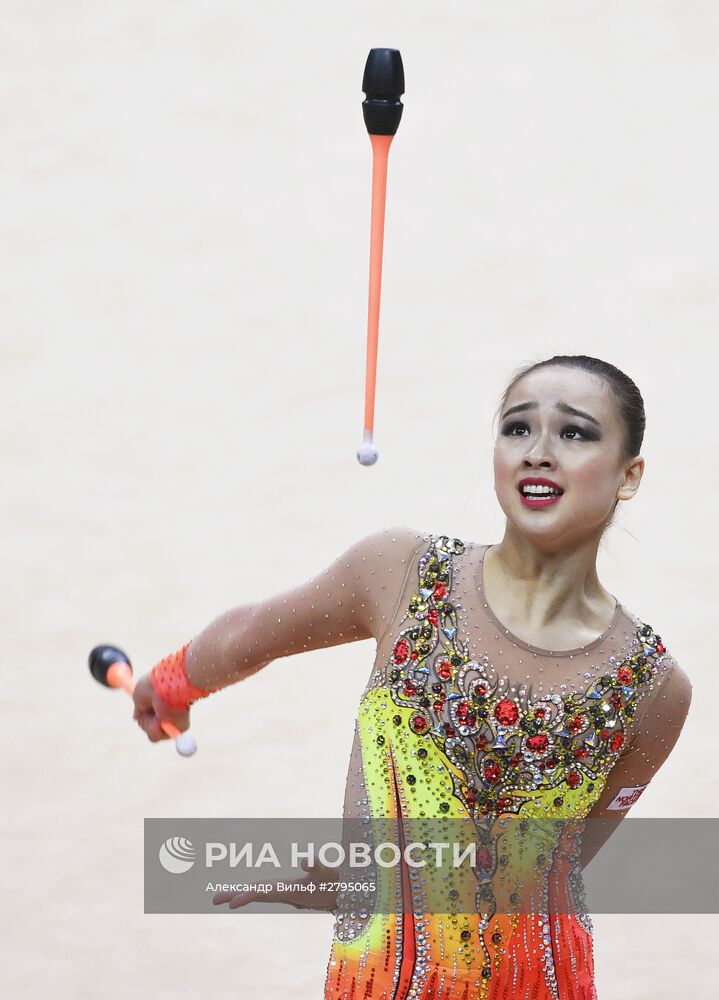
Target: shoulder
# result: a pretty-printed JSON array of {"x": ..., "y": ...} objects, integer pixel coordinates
[
  {"x": 664, "y": 703},
  {"x": 385, "y": 553},
  {"x": 396, "y": 542},
  {"x": 653, "y": 649},
  {"x": 393, "y": 556},
  {"x": 674, "y": 688},
  {"x": 402, "y": 549}
]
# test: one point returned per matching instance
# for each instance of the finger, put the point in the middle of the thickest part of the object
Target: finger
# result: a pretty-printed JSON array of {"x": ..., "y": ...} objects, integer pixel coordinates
[
  {"x": 321, "y": 873},
  {"x": 180, "y": 718},
  {"x": 222, "y": 897},
  {"x": 237, "y": 899},
  {"x": 295, "y": 897},
  {"x": 155, "y": 731},
  {"x": 240, "y": 898},
  {"x": 323, "y": 900},
  {"x": 150, "y": 725}
]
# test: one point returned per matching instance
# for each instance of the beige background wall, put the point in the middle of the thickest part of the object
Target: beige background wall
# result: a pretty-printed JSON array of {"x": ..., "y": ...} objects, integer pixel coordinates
[{"x": 185, "y": 215}]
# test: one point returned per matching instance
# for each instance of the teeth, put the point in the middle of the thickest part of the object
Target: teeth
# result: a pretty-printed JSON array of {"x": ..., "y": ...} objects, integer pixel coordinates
[{"x": 540, "y": 491}]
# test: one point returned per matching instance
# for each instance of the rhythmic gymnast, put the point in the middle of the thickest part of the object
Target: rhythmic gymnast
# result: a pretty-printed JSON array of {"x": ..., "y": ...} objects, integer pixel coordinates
[{"x": 508, "y": 683}]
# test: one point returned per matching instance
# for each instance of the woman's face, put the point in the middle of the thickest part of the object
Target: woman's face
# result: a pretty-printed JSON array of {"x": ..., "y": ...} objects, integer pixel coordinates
[{"x": 579, "y": 452}]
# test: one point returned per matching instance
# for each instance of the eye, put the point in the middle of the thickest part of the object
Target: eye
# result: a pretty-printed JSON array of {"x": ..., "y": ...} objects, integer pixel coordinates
[
  {"x": 576, "y": 433},
  {"x": 509, "y": 428},
  {"x": 574, "y": 430}
]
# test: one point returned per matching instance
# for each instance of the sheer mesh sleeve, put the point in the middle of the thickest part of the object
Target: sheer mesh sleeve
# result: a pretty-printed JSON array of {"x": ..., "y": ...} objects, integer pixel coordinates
[
  {"x": 353, "y": 598},
  {"x": 654, "y": 731}
]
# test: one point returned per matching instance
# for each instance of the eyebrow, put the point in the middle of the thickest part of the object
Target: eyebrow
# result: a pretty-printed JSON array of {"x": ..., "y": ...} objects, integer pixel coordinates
[{"x": 564, "y": 407}]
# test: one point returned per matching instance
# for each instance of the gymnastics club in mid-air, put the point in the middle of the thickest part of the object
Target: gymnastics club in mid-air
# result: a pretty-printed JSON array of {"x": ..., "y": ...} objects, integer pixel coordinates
[
  {"x": 383, "y": 84},
  {"x": 111, "y": 667}
]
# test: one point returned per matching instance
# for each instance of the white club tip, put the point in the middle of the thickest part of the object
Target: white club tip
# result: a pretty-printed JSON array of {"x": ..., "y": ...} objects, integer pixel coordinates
[
  {"x": 367, "y": 453},
  {"x": 185, "y": 744}
]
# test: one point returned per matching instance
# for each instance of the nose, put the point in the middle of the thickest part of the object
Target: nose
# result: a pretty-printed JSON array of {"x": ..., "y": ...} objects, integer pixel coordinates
[{"x": 539, "y": 454}]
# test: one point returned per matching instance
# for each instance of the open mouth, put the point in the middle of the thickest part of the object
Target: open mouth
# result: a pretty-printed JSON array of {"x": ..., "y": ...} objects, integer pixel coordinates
[{"x": 539, "y": 496}]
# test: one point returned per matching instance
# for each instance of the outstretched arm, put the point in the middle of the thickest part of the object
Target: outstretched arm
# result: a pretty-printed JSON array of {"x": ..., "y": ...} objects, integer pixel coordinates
[
  {"x": 349, "y": 600},
  {"x": 353, "y": 598}
]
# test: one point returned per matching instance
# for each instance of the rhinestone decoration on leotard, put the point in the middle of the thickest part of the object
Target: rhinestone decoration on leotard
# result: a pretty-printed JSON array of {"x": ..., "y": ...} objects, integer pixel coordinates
[
  {"x": 444, "y": 734},
  {"x": 503, "y": 744}
]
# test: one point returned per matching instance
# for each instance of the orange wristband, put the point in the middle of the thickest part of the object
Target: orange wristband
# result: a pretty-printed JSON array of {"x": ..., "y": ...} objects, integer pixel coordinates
[{"x": 169, "y": 679}]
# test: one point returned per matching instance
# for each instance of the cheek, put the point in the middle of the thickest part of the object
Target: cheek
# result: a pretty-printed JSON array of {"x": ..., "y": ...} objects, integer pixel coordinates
[
  {"x": 504, "y": 473},
  {"x": 593, "y": 484},
  {"x": 591, "y": 473},
  {"x": 504, "y": 463}
]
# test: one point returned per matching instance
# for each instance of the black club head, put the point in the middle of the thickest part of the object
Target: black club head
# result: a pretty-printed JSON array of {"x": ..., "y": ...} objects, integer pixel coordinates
[
  {"x": 102, "y": 658},
  {"x": 383, "y": 83}
]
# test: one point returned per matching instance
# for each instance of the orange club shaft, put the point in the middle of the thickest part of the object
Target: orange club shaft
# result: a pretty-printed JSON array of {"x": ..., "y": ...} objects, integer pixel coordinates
[{"x": 380, "y": 155}]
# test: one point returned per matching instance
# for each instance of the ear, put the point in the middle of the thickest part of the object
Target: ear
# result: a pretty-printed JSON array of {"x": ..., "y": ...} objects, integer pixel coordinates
[{"x": 632, "y": 478}]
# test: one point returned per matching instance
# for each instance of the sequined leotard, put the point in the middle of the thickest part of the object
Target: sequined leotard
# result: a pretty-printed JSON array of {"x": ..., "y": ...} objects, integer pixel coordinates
[{"x": 460, "y": 718}]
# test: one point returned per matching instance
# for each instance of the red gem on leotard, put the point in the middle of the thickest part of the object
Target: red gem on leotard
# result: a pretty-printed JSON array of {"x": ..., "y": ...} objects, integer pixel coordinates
[
  {"x": 445, "y": 670},
  {"x": 401, "y": 651},
  {"x": 409, "y": 690},
  {"x": 506, "y": 712},
  {"x": 581, "y": 753},
  {"x": 433, "y": 616},
  {"x": 616, "y": 742},
  {"x": 624, "y": 675},
  {"x": 604, "y": 733},
  {"x": 492, "y": 771},
  {"x": 537, "y": 743},
  {"x": 573, "y": 779},
  {"x": 660, "y": 647},
  {"x": 439, "y": 590},
  {"x": 539, "y": 713},
  {"x": 484, "y": 859},
  {"x": 419, "y": 722},
  {"x": 576, "y": 724}
]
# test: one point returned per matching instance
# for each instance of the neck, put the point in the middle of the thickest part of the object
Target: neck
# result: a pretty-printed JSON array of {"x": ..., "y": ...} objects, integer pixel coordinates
[{"x": 540, "y": 587}]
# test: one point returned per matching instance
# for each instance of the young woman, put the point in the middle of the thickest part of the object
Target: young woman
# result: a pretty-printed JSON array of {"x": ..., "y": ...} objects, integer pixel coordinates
[{"x": 508, "y": 683}]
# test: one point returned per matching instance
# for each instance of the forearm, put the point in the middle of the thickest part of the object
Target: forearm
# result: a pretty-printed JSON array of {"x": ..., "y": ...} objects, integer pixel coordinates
[
  {"x": 225, "y": 651},
  {"x": 346, "y": 602}
]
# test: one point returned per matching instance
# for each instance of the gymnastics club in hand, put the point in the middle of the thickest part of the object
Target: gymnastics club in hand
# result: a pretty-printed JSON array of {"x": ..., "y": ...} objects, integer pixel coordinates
[
  {"x": 383, "y": 83},
  {"x": 111, "y": 667}
]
